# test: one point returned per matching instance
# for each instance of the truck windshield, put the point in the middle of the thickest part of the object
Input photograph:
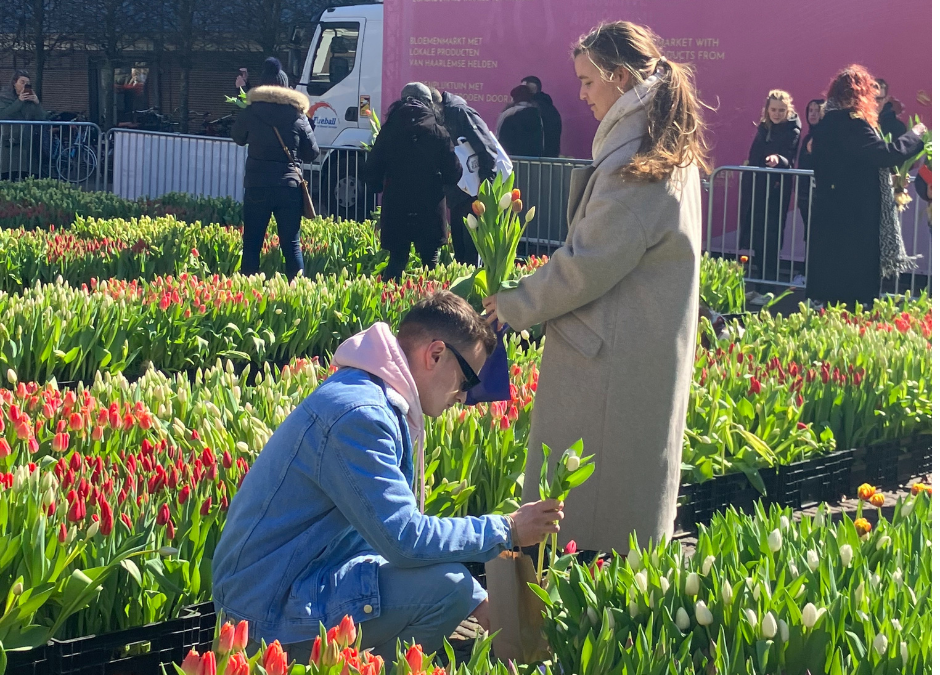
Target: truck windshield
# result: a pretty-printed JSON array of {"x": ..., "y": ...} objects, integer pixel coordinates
[{"x": 335, "y": 56}]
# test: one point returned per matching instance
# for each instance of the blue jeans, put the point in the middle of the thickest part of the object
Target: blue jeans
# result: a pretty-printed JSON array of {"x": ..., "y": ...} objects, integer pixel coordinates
[
  {"x": 420, "y": 604},
  {"x": 286, "y": 205}
]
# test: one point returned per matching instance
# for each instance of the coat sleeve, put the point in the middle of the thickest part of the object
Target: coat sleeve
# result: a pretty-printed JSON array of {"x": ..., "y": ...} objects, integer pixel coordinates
[
  {"x": 475, "y": 129},
  {"x": 308, "y": 150},
  {"x": 240, "y": 128},
  {"x": 864, "y": 144},
  {"x": 755, "y": 156},
  {"x": 360, "y": 473},
  {"x": 606, "y": 246},
  {"x": 374, "y": 172},
  {"x": 451, "y": 171},
  {"x": 12, "y": 110},
  {"x": 790, "y": 145}
]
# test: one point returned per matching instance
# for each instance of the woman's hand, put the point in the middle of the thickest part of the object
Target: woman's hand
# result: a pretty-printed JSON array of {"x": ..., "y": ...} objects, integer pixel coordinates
[
  {"x": 489, "y": 306},
  {"x": 772, "y": 161},
  {"x": 919, "y": 130}
]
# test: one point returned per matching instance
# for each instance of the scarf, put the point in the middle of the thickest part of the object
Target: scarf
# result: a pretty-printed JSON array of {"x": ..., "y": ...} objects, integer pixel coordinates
[{"x": 628, "y": 103}]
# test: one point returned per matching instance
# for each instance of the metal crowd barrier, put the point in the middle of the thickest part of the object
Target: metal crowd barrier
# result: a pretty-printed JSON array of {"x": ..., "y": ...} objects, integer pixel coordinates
[{"x": 69, "y": 151}]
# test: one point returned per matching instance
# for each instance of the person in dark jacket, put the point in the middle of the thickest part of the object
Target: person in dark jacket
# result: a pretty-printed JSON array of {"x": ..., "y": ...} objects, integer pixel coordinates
[
  {"x": 272, "y": 179},
  {"x": 850, "y": 248},
  {"x": 814, "y": 113},
  {"x": 519, "y": 128},
  {"x": 551, "y": 118},
  {"x": 411, "y": 163},
  {"x": 462, "y": 121},
  {"x": 766, "y": 197},
  {"x": 19, "y": 149},
  {"x": 888, "y": 113}
]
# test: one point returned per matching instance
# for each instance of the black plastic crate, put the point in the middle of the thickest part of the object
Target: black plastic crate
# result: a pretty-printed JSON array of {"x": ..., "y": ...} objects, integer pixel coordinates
[
  {"x": 700, "y": 501},
  {"x": 34, "y": 661},
  {"x": 135, "y": 651},
  {"x": 820, "y": 479},
  {"x": 878, "y": 464}
]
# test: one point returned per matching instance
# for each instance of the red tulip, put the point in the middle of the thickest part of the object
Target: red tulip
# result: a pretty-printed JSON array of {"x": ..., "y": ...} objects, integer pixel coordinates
[
  {"x": 33, "y": 445},
  {"x": 107, "y": 517},
  {"x": 317, "y": 651},
  {"x": 206, "y": 506},
  {"x": 415, "y": 658},
  {"x": 76, "y": 511},
  {"x": 275, "y": 659},
  {"x": 127, "y": 521},
  {"x": 571, "y": 547},
  {"x": 170, "y": 531},
  {"x": 60, "y": 442},
  {"x": 237, "y": 665},
  {"x": 23, "y": 430},
  {"x": 76, "y": 422},
  {"x": 191, "y": 664},
  {"x": 184, "y": 494},
  {"x": 241, "y": 636},
  {"x": 226, "y": 638},
  {"x": 163, "y": 514},
  {"x": 227, "y": 460},
  {"x": 5, "y": 449},
  {"x": 347, "y": 632},
  {"x": 63, "y": 533},
  {"x": 207, "y": 665}
]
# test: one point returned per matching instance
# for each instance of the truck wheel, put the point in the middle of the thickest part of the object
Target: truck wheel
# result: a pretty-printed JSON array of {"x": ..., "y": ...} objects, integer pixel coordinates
[{"x": 343, "y": 190}]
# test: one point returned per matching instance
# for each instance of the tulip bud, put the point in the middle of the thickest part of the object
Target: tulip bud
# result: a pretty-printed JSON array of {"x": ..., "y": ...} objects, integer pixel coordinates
[
  {"x": 904, "y": 654},
  {"x": 641, "y": 581},
  {"x": 768, "y": 627},
  {"x": 774, "y": 541},
  {"x": 692, "y": 584},
  {"x": 226, "y": 638},
  {"x": 92, "y": 530},
  {"x": 505, "y": 201},
  {"x": 907, "y": 507},
  {"x": 472, "y": 223},
  {"x": 703, "y": 615},
  {"x": 654, "y": 559},
  {"x": 572, "y": 463},
  {"x": 241, "y": 636},
  {"x": 896, "y": 624},
  {"x": 634, "y": 609},
  {"x": 812, "y": 559},
  {"x": 11, "y": 376},
  {"x": 48, "y": 498},
  {"x": 881, "y": 644},
  {"x": 810, "y": 615},
  {"x": 875, "y": 581},
  {"x": 846, "y": 553},
  {"x": 860, "y": 592},
  {"x": 478, "y": 207},
  {"x": 168, "y": 551},
  {"x": 530, "y": 214},
  {"x": 524, "y": 334},
  {"x": 784, "y": 630},
  {"x": 884, "y": 541},
  {"x": 751, "y": 617},
  {"x": 516, "y": 206},
  {"x": 664, "y": 584},
  {"x": 819, "y": 520},
  {"x": 726, "y": 592},
  {"x": 682, "y": 619},
  {"x": 707, "y": 565},
  {"x": 784, "y": 523},
  {"x": 633, "y": 558},
  {"x": 17, "y": 588}
]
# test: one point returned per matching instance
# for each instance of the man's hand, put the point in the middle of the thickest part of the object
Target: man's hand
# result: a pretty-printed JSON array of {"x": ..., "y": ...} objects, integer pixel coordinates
[
  {"x": 489, "y": 306},
  {"x": 535, "y": 520}
]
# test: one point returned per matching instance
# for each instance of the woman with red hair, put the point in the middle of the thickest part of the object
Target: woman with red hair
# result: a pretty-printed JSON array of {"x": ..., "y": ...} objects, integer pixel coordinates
[{"x": 855, "y": 237}]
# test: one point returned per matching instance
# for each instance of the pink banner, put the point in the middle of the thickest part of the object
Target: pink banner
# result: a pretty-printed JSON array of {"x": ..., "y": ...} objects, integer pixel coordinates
[{"x": 480, "y": 49}]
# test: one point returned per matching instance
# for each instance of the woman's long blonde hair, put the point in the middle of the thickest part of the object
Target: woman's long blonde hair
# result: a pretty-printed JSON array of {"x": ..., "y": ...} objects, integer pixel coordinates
[
  {"x": 776, "y": 95},
  {"x": 676, "y": 135}
]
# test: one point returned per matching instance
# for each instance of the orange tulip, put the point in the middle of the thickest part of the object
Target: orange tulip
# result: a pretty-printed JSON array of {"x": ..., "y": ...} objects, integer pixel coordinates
[
  {"x": 415, "y": 658},
  {"x": 237, "y": 665},
  {"x": 862, "y": 526},
  {"x": 191, "y": 664},
  {"x": 877, "y": 499},
  {"x": 478, "y": 208},
  {"x": 226, "y": 638},
  {"x": 516, "y": 194},
  {"x": 865, "y": 491},
  {"x": 275, "y": 659},
  {"x": 347, "y": 632},
  {"x": 241, "y": 636},
  {"x": 917, "y": 488}
]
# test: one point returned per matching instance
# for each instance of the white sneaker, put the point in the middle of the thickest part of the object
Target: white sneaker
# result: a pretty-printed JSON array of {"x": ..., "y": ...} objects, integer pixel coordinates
[{"x": 799, "y": 280}]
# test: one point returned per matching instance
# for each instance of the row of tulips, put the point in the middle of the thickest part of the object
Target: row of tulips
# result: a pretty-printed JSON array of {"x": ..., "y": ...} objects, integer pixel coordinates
[
  {"x": 762, "y": 594},
  {"x": 34, "y": 204}
]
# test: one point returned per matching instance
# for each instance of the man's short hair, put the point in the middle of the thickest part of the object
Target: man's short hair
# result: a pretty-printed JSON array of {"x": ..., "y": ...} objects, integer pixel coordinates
[
  {"x": 445, "y": 316},
  {"x": 532, "y": 79}
]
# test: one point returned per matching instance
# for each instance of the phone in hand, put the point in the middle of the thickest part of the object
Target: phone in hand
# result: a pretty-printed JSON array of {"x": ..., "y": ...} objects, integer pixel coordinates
[{"x": 28, "y": 89}]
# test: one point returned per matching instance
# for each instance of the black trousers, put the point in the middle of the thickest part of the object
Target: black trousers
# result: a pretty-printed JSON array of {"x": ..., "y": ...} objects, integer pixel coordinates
[
  {"x": 464, "y": 249},
  {"x": 286, "y": 205},
  {"x": 398, "y": 260}
]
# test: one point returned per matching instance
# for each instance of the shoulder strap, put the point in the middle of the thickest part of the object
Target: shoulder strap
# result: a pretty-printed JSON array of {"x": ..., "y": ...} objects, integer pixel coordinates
[{"x": 283, "y": 147}]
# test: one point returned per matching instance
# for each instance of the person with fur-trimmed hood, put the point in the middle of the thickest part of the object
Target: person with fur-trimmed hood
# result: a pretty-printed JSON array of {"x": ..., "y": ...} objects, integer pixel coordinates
[{"x": 272, "y": 180}]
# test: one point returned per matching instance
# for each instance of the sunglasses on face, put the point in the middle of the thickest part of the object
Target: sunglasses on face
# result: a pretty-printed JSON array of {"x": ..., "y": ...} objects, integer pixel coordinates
[{"x": 471, "y": 379}]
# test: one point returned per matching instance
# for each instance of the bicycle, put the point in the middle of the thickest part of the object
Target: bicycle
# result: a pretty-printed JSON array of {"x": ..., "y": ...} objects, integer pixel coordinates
[{"x": 76, "y": 161}]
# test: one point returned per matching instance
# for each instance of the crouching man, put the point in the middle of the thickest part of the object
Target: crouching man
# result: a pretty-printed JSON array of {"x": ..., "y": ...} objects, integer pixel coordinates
[{"x": 326, "y": 522}]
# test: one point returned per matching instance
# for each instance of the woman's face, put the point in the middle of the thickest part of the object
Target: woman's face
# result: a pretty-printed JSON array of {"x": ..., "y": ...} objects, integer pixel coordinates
[
  {"x": 598, "y": 91},
  {"x": 812, "y": 115},
  {"x": 777, "y": 111},
  {"x": 21, "y": 84}
]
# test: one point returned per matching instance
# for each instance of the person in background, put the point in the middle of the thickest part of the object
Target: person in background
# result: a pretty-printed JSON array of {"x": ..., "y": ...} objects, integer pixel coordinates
[
  {"x": 20, "y": 151},
  {"x": 814, "y": 113},
  {"x": 272, "y": 179},
  {"x": 412, "y": 162},
  {"x": 242, "y": 82},
  {"x": 619, "y": 301},
  {"x": 923, "y": 186},
  {"x": 519, "y": 128},
  {"x": 888, "y": 110},
  {"x": 766, "y": 198},
  {"x": 462, "y": 121},
  {"x": 856, "y": 238},
  {"x": 551, "y": 118},
  {"x": 326, "y": 522}
]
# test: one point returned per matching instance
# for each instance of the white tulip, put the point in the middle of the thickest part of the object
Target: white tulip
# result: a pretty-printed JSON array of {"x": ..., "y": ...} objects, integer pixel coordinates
[
  {"x": 784, "y": 523},
  {"x": 812, "y": 559},
  {"x": 846, "y": 553},
  {"x": 472, "y": 223},
  {"x": 774, "y": 541},
  {"x": 749, "y": 583},
  {"x": 904, "y": 653},
  {"x": 800, "y": 590},
  {"x": 634, "y": 559},
  {"x": 664, "y": 584},
  {"x": 634, "y": 609},
  {"x": 92, "y": 530},
  {"x": 860, "y": 592},
  {"x": 641, "y": 582},
  {"x": 726, "y": 592},
  {"x": 530, "y": 214},
  {"x": 820, "y": 519},
  {"x": 896, "y": 624},
  {"x": 907, "y": 508},
  {"x": 242, "y": 447},
  {"x": 784, "y": 630},
  {"x": 768, "y": 627},
  {"x": 751, "y": 617},
  {"x": 682, "y": 619},
  {"x": 168, "y": 551},
  {"x": 17, "y": 588},
  {"x": 48, "y": 498},
  {"x": 875, "y": 580},
  {"x": 703, "y": 616},
  {"x": 572, "y": 463},
  {"x": 794, "y": 571},
  {"x": 692, "y": 584},
  {"x": 592, "y": 616},
  {"x": 524, "y": 334},
  {"x": 810, "y": 614},
  {"x": 11, "y": 376},
  {"x": 881, "y": 644},
  {"x": 505, "y": 202},
  {"x": 897, "y": 576},
  {"x": 707, "y": 565}
]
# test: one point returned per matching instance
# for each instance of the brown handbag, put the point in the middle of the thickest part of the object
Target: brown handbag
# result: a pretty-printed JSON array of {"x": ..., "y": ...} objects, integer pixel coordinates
[{"x": 309, "y": 211}]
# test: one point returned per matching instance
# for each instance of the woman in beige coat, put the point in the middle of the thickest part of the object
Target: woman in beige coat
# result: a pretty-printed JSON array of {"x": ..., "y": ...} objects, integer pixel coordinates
[{"x": 620, "y": 299}]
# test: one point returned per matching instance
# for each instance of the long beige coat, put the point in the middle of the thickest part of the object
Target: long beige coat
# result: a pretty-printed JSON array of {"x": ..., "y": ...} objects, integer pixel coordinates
[{"x": 619, "y": 302}]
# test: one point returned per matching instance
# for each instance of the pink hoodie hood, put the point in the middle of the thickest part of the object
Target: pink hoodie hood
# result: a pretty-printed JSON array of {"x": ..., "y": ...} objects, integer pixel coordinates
[{"x": 376, "y": 351}]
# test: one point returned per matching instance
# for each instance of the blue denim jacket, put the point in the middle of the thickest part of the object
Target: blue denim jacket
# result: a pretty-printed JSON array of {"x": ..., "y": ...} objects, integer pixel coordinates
[{"x": 328, "y": 501}]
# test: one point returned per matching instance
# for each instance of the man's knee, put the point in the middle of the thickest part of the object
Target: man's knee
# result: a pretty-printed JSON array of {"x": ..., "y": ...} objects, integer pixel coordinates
[{"x": 460, "y": 592}]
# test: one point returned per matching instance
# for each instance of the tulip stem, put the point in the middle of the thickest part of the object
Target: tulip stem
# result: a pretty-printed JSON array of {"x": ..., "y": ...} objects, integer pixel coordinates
[{"x": 538, "y": 575}]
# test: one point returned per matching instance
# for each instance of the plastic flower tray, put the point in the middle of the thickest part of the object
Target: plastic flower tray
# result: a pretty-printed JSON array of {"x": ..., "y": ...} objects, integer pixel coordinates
[{"x": 816, "y": 480}]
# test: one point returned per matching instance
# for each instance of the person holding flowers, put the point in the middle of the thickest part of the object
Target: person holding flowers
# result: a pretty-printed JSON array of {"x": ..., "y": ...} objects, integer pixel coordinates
[
  {"x": 620, "y": 299},
  {"x": 326, "y": 524}
]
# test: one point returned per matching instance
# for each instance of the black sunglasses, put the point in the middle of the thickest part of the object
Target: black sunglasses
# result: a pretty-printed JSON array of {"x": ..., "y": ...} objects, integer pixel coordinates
[{"x": 471, "y": 379}]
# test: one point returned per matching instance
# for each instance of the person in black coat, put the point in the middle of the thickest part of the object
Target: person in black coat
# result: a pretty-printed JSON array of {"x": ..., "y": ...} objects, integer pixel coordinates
[
  {"x": 814, "y": 113},
  {"x": 887, "y": 114},
  {"x": 551, "y": 118},
  {"x": 411, "y": 162},
  {"x": 519, "y": 128},
  {"x": 765, "y": 198},
  {"x": 462, "y": 121},
  {"x": 845, "y": 256},
  {"x": 272, "y": 179}
]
